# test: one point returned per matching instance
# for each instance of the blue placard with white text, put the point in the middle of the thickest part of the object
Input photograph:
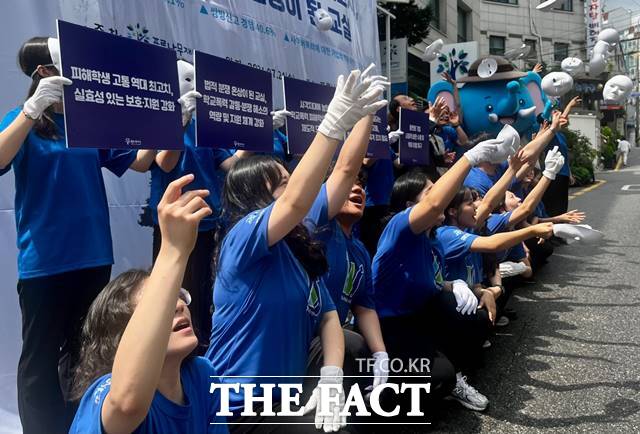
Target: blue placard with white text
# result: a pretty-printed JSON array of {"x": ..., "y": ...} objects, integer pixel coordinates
[
  {"x": 379, "y": 138},
  {"x": 308, "y": 104},
  {"x": 234, "y": 111},
  {"x": 124, "y": 92},
  {"x": 414, "y": 142}
]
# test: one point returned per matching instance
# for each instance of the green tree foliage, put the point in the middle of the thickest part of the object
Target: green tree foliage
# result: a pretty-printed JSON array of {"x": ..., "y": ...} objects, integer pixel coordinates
[
  {"x": 609, "y": 147},
  {"x": 581, "y": 156},
  {"x": 412, "y": 21}
]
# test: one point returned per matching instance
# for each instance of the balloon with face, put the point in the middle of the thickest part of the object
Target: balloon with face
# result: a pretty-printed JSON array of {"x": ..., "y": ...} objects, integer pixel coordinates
[
  {"x": 572, "y": 66},
  {"x": 610, "y": 36},
  {"x": 617, "y": 89},
  {"x": 324, "y": 21},
  {"x": 556, "y": 84},
  {"x": 603, "y": 48},
  {"x": 186, "y": 76}
]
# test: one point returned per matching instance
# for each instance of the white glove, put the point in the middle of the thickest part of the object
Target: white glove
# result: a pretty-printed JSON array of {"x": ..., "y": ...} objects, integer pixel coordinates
[
  {"x": 355, "y": 98},
  {"x": 188, "y": 104},
  {"x": 553, "y": 163},
  {"x": 466, "y": 299},
  {"x": 380, "y": 368},
  {"x": 48, "y": 92},
  {"x": 394, "y": 136},
  {"x": 328, "y": 375},
  {"x": 509, "y": 269},
  {"x": 493, "y": 151},
  {"x": 584, "y": 233},
  {"x": 279, "y": 117}
]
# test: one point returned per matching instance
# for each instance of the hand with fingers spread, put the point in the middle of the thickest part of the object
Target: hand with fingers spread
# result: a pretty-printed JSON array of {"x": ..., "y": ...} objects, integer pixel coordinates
[
  {"x": 394, "y": 136},
  {"x": 279, "y": 118},
  {"x": 355, "y": 98},
  {"x": 328, "y": 413},
  {"x": 466, "y": 300},
  {"x": 573, "y": 216},
  {"x": 48, "y": 92},
  {"x": 537, "y": 68},
  {"x": 436, "y": 110},
  {"x": 179, "y": 215},
  {"x": 454, "y": 119},
  {"x": 188, "y": 104},
  {"x": 553, "y": 163}
]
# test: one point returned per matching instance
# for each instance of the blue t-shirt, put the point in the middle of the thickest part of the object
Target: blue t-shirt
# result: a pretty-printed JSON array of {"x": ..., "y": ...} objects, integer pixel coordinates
[
  {"x": 380, "y": 181},
  {"x": 204, "y": 163},
  {"x": 560, "y": 141},
  {"x": 450, "y": 138},
  {"x": 459, "y": 261},
  {"x": 497, "y": 223},
  {"x": 407, "y": 270},
  {"x": 349, "y": 277},
  {"x": 279, "y": 145},
  {"x": 481, "y": 181},
  {"x": 267, "y": 310},
  {"x": 165, "y": 416},
  {"x": 62, "y": 215}
]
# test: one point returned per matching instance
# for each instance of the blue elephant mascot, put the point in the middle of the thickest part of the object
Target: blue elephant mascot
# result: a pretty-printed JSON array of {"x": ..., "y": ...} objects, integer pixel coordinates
[{"x": 494, "y": 94}]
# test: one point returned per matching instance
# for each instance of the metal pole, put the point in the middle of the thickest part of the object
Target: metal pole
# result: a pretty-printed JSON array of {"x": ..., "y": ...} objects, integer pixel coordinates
[{"x": 388, "y": 18}]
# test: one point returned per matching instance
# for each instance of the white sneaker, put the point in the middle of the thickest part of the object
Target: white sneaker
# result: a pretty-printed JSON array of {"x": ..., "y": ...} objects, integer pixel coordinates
[
  {"x": 467, "y": 395},
  {"x": 502, "y": 321}
]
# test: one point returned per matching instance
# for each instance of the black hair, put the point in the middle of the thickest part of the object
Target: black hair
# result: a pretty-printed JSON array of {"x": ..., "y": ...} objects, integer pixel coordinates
[
  {"x": 406, "y": 188},
  {"x": 248, "y": 187},
  {"x": 394, "y": 110},
  {"x": 35, "y": 52}
]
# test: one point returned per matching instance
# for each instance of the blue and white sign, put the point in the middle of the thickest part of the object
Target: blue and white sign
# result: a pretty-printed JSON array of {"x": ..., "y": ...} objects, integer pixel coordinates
[
  {"x": 124, "y": 93},
  {"x": 379, "y": 139},
  {"x": 235, "y": 105},
  {"x": 308, "y": 104},
  {"x": 414, "y": 142}
]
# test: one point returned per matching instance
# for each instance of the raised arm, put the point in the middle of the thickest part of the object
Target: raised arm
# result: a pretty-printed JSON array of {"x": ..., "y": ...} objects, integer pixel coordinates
[
  {"x": 141, "y": 352},
  {"x": 144, "y": 159},
  {"x": 506, "y": 240},
  {"x": 48, "y": 92},
  {"x": 552, "y": 165},
  {"x": 533, "y": 149},
  {"x": 496, "y": 194},
  {"x": 354, "y": 98},
  {"x": 427, "y": 211},
  {"x": 348, "y": 165}
]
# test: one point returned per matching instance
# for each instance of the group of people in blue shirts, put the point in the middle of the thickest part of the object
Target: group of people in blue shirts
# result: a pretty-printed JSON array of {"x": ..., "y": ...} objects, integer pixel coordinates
[{"x": 260, "y": 274}]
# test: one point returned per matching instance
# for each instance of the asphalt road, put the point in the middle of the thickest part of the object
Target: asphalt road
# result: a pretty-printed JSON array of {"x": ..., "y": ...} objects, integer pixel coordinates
[{"x": 570, "y": 363}]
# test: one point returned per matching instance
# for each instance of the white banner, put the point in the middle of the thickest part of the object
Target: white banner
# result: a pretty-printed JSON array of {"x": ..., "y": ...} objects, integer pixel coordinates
[
  {"x": 275, "y": 35},
  {"x": 593, "y": 17},
  {"x": 398, "y": 59}
]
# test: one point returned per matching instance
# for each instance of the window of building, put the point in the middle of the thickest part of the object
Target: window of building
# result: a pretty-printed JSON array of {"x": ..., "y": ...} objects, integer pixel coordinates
[
  {"x": 463, "y": 25},
  {"x": 509, "y": 2},
  {"x": 435, "y": 7},
  {"x": 496, "y": 45},
  {"x": 564, "y": 5},
  {"x": 533, "y": 54},
  {"x": 560, "y": 51}
]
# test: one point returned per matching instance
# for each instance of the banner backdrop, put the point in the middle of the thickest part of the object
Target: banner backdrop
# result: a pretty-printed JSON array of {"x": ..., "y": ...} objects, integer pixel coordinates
[{"x": 278, "y": 36}]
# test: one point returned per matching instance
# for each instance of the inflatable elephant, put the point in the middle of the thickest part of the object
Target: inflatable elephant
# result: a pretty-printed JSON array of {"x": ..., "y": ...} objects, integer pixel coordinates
[{"x": 495, "y": 94}]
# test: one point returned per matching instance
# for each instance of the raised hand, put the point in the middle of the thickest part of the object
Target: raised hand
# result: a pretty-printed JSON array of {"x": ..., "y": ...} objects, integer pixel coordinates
[
  {"x": 279, "y": 118},
  {"x": 48, "y": 92},
  {"x": 180, "y": 214},
  {"x": 188, "y": 104},
  {"x": 553, "y": 163}
]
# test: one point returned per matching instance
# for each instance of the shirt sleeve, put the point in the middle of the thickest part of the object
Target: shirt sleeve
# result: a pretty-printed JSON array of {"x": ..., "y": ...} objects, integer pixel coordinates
[
  {"x": 220, "y": 155},
  {"x": 318, "y": 215},
  {"x": 6, "y": 121},
  {"x": 247, "y": 241},
  {"x": 117, "y": 160},
  {"x": 498, "y": 222},
  {"x": 217, "y": 424},
  {"x": 327, "y": 302},
  {"x": 455, "y": 242},
  {"x": 88, "y": 419},
  {"x": 399, "y": 230}
]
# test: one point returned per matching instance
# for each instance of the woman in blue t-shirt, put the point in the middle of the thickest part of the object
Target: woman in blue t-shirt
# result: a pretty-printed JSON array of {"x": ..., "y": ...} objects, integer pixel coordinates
[
  {"x": 419, "y": 312},
  {"x": 137, "y": 372},
  {"x": 269, "y": 296},
  {"x": 63, "y": 234}
]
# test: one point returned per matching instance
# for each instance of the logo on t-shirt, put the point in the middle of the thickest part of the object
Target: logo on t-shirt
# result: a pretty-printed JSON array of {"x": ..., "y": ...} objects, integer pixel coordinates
[
  {"x": 471, "y": 275},
  {"x": 352, "y": 281},
  {"x": 437, "y": 272},
  {"x": 314, "y": 303}
]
